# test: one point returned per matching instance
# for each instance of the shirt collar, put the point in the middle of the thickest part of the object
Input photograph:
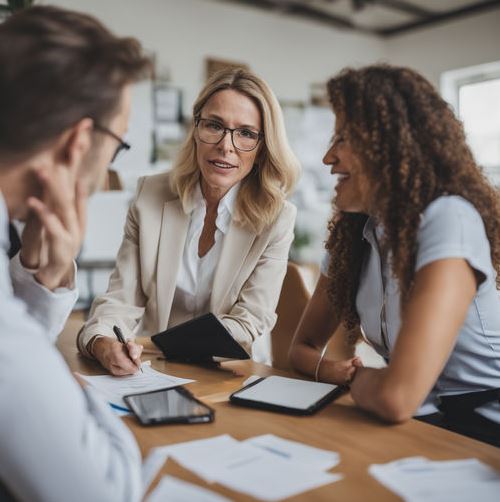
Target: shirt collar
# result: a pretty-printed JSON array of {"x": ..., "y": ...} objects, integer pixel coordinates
[
  {"x": 373, "y": 232},
  {"x": 4, "y": 224},
  {"x": 368, "y": 231},
  {"x": 226, "y": 208}
]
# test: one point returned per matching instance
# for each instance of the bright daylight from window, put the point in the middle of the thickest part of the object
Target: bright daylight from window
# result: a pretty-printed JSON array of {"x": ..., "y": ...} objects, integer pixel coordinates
[{"x": 479, "y": 108}]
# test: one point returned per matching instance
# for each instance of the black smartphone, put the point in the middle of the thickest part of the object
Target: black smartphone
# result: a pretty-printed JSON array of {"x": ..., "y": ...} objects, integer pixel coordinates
[{"x": 169, "y": 406}]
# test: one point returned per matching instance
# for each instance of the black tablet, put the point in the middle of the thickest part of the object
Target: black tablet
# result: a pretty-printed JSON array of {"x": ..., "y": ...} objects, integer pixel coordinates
[
  {"x": 198, "y": 340},
  {"x": 169, "y": 406},
  {"x": 286, "y": 395}
]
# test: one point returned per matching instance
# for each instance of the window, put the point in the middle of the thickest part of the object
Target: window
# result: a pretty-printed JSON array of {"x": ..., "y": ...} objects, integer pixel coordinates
[{"x": 475, "y": 94}]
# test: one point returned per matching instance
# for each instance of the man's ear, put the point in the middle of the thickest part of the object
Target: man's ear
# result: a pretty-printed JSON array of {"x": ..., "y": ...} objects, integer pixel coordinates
[{"x": 75, "y": 142}]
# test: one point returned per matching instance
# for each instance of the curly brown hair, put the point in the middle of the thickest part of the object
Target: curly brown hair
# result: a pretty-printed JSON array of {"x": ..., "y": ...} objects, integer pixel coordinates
[{"x": 413, "y": 150}]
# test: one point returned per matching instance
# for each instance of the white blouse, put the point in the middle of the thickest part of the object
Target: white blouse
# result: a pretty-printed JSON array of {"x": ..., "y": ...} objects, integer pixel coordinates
[{"x": 195, "y": 276}]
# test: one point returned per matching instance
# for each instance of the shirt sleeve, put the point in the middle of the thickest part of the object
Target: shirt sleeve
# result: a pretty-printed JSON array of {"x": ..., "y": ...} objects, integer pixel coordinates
[
  {"x": 451, "y": 227},
  {"x": 254, "y": 313},
  {"x": 58, "y": 442},
  {"x": 50, "y": 308}
]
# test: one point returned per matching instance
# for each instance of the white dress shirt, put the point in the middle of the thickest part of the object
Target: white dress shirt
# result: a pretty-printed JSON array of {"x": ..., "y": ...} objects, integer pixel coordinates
[
  {"x": 195, "y": 277},
  {"x": 58, "y": 442}
]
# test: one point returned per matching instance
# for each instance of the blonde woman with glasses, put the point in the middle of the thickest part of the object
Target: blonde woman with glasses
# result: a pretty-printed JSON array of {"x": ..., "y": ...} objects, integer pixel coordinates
[{"x": 211, "y": 235}]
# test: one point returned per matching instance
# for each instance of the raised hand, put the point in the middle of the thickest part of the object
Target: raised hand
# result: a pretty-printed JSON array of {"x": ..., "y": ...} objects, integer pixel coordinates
[{"x": 55, "y": 229}]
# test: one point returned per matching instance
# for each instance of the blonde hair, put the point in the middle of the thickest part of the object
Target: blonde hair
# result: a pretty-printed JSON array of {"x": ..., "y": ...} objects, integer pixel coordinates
[{"x": 263, "y": 192}]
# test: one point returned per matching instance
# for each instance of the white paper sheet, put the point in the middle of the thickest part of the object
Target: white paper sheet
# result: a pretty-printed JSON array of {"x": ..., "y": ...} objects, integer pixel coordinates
[
  {"x": 200, "y": 449},
  {"x": 113, "y": 388},
  {"x": 243, "y": 467},
  {"x": 417, "y": 479},
  {"x": 299, "y": 452},
  {"x": 175, "y": 490},
  {"x": 152, "y": 465}
]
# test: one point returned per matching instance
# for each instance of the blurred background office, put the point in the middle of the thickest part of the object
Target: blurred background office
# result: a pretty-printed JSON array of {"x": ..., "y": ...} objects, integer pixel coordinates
[{"x": 296, "y": 45}]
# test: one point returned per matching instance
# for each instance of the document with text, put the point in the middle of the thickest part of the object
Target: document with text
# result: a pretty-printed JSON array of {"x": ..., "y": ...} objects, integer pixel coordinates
[
  {"x": 113, "y": 388},
  {"x": 173, "y": 489},
  {"x": 418, "y": 479},
  {"x": 269, "y": 472}
]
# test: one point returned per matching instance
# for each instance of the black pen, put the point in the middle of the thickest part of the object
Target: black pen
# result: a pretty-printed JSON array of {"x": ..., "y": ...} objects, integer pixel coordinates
[{"x": 118, "y": 332}]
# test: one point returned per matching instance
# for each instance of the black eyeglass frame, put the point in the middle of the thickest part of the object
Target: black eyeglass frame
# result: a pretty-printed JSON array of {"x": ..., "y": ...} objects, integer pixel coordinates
[
  {"x": 260, "y": 134},
  {"x": 123, "y": 146}
]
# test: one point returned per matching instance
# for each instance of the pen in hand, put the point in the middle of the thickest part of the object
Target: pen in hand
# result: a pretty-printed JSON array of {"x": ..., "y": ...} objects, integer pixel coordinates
[{"x": 118, "y": 332}]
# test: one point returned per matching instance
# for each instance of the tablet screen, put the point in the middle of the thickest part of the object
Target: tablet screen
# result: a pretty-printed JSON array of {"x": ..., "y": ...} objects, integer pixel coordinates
[
  {"x": 169, "y": 405},
  {"x": 286, "y": 392}
]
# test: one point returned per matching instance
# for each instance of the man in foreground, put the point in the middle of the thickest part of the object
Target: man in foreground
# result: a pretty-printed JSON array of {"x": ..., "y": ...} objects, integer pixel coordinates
[{"x": 64, "y": 101}]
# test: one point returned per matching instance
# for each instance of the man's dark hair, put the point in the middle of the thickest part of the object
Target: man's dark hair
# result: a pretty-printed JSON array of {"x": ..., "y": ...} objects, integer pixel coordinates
[{"x": 57, "y": 67}]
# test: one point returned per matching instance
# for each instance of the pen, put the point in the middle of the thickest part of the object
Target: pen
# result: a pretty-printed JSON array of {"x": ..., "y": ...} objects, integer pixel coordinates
[{"x": 118, "y": 332}]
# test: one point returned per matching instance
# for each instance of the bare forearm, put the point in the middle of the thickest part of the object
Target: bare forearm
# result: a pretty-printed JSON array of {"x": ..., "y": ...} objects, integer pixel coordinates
[
  {"x": 373, "y": 391},
  {"x": 304, "y": 358},
  {"x": 309, "y": 360}
]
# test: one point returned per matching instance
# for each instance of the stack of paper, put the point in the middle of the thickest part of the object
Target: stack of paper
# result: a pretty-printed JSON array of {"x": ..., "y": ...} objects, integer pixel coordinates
[
  {"x": 174, "y": 489},
  {"x": 113, "y": 388},
  {"x": 265, "y": 467},
  {"x": 417, "y": 479}
]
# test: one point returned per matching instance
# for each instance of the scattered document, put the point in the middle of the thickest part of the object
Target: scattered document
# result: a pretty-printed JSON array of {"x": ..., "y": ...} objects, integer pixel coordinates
[
  {"x": 417, "y": 479},
  {"x": 299, "y": 452},
  {"x": 152, "y": 464},
  {"x": 206, "y": 456},
  {"x": 270, "y": 477},
  {"x": 245, "y": 467},
  {"x": 113, "y": 388},
  {"x": 200, "y": 448},
  {"x": 175, "y": 490}
]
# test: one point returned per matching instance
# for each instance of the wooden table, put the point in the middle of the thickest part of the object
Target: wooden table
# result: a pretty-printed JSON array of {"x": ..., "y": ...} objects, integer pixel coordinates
[{"x": 359, "y": 438}]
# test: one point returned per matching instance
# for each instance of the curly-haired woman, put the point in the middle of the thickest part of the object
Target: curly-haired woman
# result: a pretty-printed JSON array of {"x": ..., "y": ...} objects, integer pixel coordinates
[
  {"x": 413, "y": 257},
  {"x": 212, "y": 235}
]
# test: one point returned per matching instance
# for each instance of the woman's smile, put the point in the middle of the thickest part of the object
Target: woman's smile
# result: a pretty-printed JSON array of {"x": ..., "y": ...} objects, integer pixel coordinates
[{"x": 220, "y": 164}]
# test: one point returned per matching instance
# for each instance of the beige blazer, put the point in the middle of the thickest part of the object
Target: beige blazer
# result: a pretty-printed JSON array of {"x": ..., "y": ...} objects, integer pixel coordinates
[{"x": 247, "y": 280}]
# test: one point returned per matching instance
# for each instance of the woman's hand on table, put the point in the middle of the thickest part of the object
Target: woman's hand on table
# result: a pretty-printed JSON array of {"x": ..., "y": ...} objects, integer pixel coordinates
[{"x": 339, "y": 372}]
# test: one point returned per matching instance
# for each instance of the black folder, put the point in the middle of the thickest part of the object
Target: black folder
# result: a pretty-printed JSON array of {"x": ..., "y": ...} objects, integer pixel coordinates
[{"x": 199, "y": 340}]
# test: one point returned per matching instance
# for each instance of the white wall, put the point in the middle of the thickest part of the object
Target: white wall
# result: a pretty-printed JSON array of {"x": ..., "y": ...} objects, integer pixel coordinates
[
  {"x": 288, "y": 53},
  {"x": 454, "y": 44}
]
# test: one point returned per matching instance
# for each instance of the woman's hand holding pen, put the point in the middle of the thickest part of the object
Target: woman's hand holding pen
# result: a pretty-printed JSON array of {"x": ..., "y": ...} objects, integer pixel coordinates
[{"x": 117, "y": 358}]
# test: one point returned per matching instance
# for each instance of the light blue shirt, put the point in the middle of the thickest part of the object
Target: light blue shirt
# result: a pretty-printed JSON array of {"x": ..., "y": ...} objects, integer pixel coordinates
[
  {"x": 58, "y": 442},
  {"x": 450, "y": 227}
]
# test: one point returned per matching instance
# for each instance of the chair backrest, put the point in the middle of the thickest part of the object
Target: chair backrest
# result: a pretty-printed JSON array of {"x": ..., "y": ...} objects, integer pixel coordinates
[
  {"x": 293, "y": 300},
  {"x": 294, "y": 297}
]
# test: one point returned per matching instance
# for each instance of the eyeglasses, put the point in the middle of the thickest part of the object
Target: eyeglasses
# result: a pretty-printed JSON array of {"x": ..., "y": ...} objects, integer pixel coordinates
[
  {"x": 212, "y": 132},
  {"x": 122, "y": 145}
]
